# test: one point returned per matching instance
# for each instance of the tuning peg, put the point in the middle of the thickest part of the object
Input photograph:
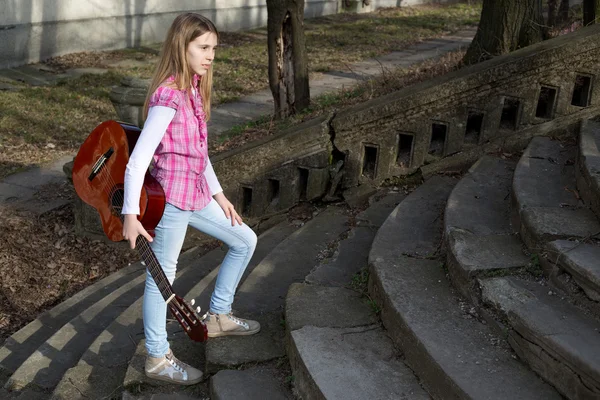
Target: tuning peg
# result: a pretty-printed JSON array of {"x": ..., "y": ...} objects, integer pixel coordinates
[
  {"x": 198, "y": 310},
  {"x": 193, "y": 301}
]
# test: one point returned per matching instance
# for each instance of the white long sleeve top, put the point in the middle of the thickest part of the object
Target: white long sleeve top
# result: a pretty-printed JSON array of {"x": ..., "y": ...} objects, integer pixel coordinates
[{"x": 156, "y": 125}]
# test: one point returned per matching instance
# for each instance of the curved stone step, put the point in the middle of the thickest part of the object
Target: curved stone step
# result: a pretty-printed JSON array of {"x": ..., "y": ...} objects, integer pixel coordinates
[
  {"x": 20, "y": 345},
  {"x": 454, "y": 355},
  {"x": 588, "y": 164},
  {"x": 545, "y": 197},
  {"x": 480, "y": 201},
  {"x": 46, "y": 366},
  {"x": 352, "y": 253},
  {"x": 256, "y": 383},
  {"x": 337, "y": 311},
  {"x": 262, "y": 295},
  {"x": 479, "y": 237},
  {"x": 548, "y": 204},
  {"x": 581, "y": 261},
  {"x": 27, "y": 394},
  {"x": 103, "y": 367},
  {"x": 337, "y": 349},
  {"x": 552, "y": 336}
]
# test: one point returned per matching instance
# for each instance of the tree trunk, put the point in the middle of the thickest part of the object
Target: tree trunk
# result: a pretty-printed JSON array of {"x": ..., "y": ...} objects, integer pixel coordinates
[
  {"x": 591, "y": 11},
  {"x": 506, "y": 25},
  {"x": 552, "y": 9},
  {"x": 563, "y": 11},
  {"x": 288, "y": 64}
]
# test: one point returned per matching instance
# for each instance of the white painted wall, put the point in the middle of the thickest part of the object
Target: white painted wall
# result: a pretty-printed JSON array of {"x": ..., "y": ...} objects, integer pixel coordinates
[{"x": 34, "y": 30}]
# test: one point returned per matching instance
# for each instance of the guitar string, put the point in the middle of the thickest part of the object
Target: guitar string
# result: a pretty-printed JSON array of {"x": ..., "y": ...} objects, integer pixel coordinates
[{"x": 145, "y": 249}]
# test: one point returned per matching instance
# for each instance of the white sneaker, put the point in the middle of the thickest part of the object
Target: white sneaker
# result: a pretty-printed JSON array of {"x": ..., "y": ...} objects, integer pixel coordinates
[
  {"x": 169, "y": 369},
  {"x": 228, "y": 325}
]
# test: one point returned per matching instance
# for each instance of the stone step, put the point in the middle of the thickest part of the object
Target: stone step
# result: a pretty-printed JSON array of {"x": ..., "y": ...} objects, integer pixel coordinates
[
  {"x": 327, "y": 305},
  {"x": 257, "y": 383},
  {"x": 18, "y": 347},
  {"x": 338, "y": 350},
  {"x": 588, "y": 164},
  {"x": 558, "y": 341},
  {"x": 480, "y": 201},
  {"x": 545, "y": 175},
  {"x": 262, "y": 295},
  {"x": 418, "y": 233},
  {"x": 174, "y": 394},
  {"x": 27, "y": 394},
  {"x": 353, "y": 252},
  {"x": 579, "y": 260},
  {"x": 547, "y": 206},
  {"x": 103, "y": 367},
  {"x": 46, "y": 366},
  {"x": 453, "y": 354},
  {"x": 478, "y": 235}
]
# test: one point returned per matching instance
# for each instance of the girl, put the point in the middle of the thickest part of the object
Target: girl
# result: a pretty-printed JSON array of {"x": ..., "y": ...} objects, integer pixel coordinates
[{"x": 174, "y": 137}]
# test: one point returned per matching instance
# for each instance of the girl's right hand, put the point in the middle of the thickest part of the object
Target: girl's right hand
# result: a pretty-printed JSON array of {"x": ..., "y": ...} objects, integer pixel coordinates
[{"x": 132, "y": 228}]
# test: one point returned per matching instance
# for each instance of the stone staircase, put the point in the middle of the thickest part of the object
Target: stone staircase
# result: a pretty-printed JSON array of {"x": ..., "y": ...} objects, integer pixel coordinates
[{"x": 483, "y": 287}]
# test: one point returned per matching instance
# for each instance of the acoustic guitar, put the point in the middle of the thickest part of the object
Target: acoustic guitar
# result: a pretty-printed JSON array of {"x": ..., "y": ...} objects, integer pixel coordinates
[{"x": 98, "y": 177}]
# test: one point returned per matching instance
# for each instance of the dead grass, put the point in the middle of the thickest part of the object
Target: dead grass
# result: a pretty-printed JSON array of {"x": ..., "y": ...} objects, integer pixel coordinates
[
  {"x": 387, "y": 82},
  {"x": 43, "y": 262},
  {"x": 41, "y": 123}
]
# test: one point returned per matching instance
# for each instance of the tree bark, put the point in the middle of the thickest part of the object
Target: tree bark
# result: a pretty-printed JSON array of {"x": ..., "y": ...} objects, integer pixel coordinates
[
  {"x": 505, "y": 26},
  {"x": 591, "y": 11},
  {"x": 552, "y": 9},
  {"x": 563, "y": 11},
  {"x": 288, "y": 63}
]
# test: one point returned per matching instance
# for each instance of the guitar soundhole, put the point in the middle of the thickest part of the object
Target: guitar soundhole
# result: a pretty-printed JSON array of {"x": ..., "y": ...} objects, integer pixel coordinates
[{"x": 116, "y": 201}]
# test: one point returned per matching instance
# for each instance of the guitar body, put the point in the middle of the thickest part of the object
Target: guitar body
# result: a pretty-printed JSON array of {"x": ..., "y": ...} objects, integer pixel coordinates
[
  {"x": 98, "y": 177},
  {"x": 105, "y": 191}
]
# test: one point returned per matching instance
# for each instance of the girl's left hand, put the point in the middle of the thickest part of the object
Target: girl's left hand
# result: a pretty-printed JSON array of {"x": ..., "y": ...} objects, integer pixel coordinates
[{"x": 228, "y": 208}]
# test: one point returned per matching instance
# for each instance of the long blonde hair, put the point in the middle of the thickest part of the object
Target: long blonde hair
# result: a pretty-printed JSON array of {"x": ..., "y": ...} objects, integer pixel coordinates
[{"x": 173, "y": 60}]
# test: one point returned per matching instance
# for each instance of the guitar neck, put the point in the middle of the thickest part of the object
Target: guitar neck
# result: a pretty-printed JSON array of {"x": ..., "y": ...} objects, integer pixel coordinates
[
  {"x": 143, "y": 247},
  {"x": 147, "y": 255}
]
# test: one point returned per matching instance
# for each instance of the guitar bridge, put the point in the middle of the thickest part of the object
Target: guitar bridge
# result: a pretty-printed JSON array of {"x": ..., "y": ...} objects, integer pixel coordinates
[{"x": 100, "y": 163}]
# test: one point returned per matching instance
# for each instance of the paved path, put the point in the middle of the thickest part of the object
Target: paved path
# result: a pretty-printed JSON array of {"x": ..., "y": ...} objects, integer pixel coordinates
[{"x": 18, "y": 189}]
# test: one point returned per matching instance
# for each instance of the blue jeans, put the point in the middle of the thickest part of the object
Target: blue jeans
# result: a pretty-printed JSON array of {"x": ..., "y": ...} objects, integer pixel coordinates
[{"x": 167, "y": 244}]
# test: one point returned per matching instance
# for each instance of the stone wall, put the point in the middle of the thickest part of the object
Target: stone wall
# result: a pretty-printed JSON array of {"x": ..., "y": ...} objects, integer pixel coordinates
[
  {"x": 34, "y": 30},
  {"x": 276, "y": 173},
  {"x": 444, "y": 123},
  {"x": 487, "y": 103}
]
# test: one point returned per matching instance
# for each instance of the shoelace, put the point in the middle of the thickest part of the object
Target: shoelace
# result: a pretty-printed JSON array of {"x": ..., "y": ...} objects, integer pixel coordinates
[
  {"x": 237, "y": 321},
  {"x": 231, "y": 317},
  {"x": 175, "y": 363}
]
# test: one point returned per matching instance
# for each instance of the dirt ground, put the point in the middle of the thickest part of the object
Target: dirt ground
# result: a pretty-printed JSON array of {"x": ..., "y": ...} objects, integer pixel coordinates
[{"x": 43, "y": 262}]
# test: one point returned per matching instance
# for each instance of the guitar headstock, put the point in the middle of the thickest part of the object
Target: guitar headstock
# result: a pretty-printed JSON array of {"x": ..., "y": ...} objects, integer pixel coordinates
[{"x": 189, "y": 319}]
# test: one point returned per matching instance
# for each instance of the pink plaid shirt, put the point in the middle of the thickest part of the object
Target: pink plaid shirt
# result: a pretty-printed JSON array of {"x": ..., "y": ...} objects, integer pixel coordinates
[{"x": 180, "y": 158}]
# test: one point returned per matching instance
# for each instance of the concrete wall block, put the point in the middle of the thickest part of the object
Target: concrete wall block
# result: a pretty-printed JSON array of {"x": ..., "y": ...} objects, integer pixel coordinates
[
  {"x": 34, "y": 30},
  {"x": 318, "y": 181},
  {"x": 284, "y": 186},
  {"x": 246, "y": 163}
]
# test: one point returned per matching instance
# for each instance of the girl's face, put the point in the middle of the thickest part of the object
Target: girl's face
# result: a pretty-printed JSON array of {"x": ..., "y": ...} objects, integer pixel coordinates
[{"x": 201, "y": 52}]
